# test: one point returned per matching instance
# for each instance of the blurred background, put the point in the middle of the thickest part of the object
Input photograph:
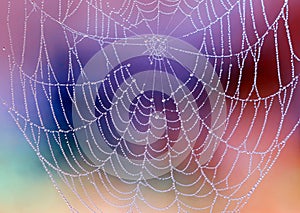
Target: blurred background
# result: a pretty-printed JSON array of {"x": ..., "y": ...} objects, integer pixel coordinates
[{"x": 25, "y": 186}]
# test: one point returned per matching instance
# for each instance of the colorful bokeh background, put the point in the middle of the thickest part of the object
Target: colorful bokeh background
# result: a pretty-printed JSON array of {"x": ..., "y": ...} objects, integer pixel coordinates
[{"x": 25, "y": 186}]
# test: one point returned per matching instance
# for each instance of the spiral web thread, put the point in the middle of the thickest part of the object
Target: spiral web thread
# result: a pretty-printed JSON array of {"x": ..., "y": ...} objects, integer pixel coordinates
[{"x": 244, "y": 154}]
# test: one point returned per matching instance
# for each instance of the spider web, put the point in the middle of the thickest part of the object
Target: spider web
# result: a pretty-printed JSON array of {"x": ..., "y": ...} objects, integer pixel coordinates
[{"x": 140, "y": 106}]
